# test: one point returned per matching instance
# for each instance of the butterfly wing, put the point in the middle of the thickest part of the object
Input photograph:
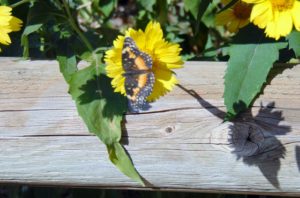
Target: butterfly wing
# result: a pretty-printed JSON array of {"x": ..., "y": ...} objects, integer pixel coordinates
[
  {"x": 139, "y": 79},
  {"x": 137, "y": 97}
]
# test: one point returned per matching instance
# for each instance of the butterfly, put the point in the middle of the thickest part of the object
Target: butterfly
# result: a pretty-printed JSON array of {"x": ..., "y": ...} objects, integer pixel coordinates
[{"x": 139, "y": 78}]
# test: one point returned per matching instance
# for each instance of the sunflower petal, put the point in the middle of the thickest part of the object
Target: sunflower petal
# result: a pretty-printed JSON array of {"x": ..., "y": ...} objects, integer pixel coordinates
[{"x": 296, "y": 15}]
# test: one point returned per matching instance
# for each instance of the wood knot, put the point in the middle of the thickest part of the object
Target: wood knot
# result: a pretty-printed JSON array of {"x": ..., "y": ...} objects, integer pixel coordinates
[
  {"x": 169, "y": 129},
  {"x": 246, "y": 138},
  {"x": 242, "y": 138}
]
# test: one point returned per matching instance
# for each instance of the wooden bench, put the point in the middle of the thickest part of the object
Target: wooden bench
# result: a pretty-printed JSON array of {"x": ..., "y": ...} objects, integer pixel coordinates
[{"x": 181, "y": 143}]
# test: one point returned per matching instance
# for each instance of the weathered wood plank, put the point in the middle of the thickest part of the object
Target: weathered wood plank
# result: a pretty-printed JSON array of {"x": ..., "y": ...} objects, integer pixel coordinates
[{"x": 179, "y": 144}]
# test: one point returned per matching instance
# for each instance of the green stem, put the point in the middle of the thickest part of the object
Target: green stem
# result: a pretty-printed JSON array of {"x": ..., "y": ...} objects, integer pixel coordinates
[
  {"x": 75, "y": 27},
  {"x": 20, "y": 3}
]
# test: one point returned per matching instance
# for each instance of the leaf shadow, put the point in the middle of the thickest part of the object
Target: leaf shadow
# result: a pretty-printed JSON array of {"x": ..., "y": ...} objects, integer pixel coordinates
[
  {"x": 99, "y": 88},
  {"x": 114, "y": 104},
  {"x": 253, "y": 138}
]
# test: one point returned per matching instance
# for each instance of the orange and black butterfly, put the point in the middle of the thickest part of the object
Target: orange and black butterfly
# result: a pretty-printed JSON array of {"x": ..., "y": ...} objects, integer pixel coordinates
[{"x": 139, "y": 78}]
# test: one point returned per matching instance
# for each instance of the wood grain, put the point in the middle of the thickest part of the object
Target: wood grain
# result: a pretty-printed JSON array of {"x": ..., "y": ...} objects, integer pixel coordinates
[{"x": 181, "y": 143}]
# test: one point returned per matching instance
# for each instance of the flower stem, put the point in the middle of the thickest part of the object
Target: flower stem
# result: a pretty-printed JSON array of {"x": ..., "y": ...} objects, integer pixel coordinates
[
  {"x": 19, "y": 3},
  {"x": 75, "y": 27}
]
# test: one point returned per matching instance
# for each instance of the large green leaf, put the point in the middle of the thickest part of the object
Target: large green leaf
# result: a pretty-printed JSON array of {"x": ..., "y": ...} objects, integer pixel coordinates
[
  {"x": 102, "y": 111},
  {"x": 294, "y": 42},
  {"x": 251, "y": 58}
]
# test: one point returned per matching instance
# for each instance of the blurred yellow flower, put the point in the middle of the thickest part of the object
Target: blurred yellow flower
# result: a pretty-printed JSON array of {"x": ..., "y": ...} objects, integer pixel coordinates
[
  {"x": 165, "y": 56},
  {"x": 8, "y": 24},
  {"x": 277, "y": 17},
  {"x": 234, "y": 17}
]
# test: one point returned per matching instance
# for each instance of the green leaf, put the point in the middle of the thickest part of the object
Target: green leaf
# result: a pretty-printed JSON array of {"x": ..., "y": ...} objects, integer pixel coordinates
[
  {"x": 251, "y": 58},
  {"x": 294, "y": 42},
  {"x": 230, "y": 4},
  {"x": 147, "y": 4},
  {"x": 67, "y": 62},
  {"x": 162, "y": 11},
  {"x": 192, "y": 6},
  {"x": 107, "y": 6},
  {"x": 29, "y": 29},
  {"x": 202, "y": 8},
  {"x": 119, "y": 157},
  {"x": 102, "y": 111}
]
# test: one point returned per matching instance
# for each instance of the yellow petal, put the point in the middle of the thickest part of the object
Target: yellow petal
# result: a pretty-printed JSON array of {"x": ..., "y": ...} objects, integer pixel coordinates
[
  {"x": 272, "y": 30},
  {"x": 5, "y": 15},
  {"x": 138, "y": 37},
  {"x": 296, "y": 15},
  {"x": 15, "y": 24},
  {"x": 4, "y": 38},
  {"x": 284, "y": 23},
  {"x": 167, "y": 52},
  {"x": 261, "y": 14},
  {"x": 164, "y": 82},
  {"x": 153, "y": 34}
]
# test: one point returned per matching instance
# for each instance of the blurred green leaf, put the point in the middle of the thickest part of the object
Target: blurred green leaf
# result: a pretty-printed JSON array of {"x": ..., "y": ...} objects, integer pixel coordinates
[
  {"x": 201, "y": 10},
  {"x": 294, "y": 42},
  {"x": 209, "y": 14},
  {"x": 107, "y": 6},
  {"x": 192, "y": 6},
  {"x": 162, "y": 11},
  {"x": 41, "y": 13},
  {"x": 230, "y": 4},
  {"x": 147, "y": 4},
  {"x": 248, "y": 68},
  {"x": 29, "y": 29},
  {"x": 197, "y": 9},
  {"x": 3, "y": 2},
  {"x": 102, "y": 111}
]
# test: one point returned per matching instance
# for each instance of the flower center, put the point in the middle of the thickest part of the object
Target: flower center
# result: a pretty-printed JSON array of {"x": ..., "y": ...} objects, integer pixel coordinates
[
  {"x": 282, "y": 5},
  {"x": 242, "y": 10}
]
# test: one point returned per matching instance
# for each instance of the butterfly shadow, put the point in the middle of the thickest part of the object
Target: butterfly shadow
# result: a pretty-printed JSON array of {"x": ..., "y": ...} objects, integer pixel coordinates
[{"x": 253, "y": 138}]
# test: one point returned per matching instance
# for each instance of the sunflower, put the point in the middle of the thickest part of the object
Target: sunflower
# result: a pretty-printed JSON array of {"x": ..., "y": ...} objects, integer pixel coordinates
[
  {"x": 235, "y": 17},
  {"x": 8, "y": 24},
  {"x": 277, "y": 17},
  {"x": 165, "y": 56}
]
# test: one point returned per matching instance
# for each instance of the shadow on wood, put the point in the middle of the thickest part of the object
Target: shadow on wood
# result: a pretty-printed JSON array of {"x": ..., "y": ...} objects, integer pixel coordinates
[
  {"x": 251, "y": 139},
  {"x": 297, "y": 148}
]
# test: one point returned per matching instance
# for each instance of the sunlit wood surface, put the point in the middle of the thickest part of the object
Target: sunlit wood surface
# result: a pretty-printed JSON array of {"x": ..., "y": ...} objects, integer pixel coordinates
[{"x": 181, "y": 143}]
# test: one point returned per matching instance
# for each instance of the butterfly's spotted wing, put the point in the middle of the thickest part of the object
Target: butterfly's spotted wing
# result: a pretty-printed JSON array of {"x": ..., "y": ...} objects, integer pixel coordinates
[{"x": 139, "y": 78}]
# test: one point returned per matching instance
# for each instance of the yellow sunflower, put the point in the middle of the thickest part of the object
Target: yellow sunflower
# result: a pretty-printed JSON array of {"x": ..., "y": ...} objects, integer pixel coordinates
[
  {"x": 8, "y": 24},
  {"x": 165, "y": 56},
  {"x": 234, "y": 17},
  {"x": 277, "y": 17}
]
